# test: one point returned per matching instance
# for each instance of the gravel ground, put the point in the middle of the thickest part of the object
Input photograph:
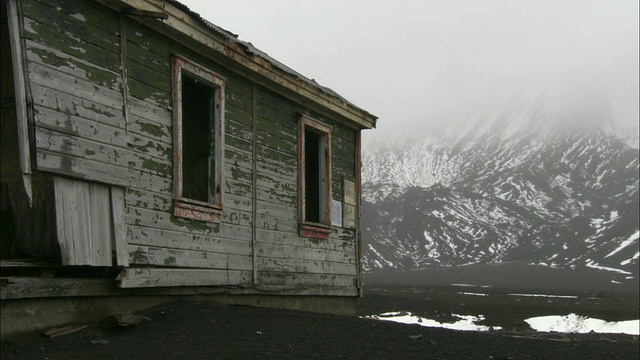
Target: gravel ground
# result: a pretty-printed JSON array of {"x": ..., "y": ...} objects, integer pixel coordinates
[{"x": 207, "y": 331}]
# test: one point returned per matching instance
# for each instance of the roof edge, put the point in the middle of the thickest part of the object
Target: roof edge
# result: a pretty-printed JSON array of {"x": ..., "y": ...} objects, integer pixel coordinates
[{"x": 244, "y": 56}]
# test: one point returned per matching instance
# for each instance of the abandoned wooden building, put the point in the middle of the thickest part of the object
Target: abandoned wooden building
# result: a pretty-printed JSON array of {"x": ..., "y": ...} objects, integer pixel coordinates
[{"x": 148, "y": 154}]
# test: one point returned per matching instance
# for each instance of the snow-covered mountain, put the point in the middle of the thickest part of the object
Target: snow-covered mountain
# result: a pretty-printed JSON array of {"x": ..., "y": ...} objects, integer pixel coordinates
[{"x": 506, "y": 186}]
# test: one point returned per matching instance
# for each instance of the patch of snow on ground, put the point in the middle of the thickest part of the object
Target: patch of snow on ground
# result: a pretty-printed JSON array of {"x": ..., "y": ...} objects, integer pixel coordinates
[
  {"x": 593, "y": 265},
  {"x": 628, "y": 261},
  {"x": 573, "y": 323},
  {"x": 466, "y": 322},
  {"x": 546, "y": 296},
  {"x": 473, "y": 294},
  {"x": 625, "y": 243}
]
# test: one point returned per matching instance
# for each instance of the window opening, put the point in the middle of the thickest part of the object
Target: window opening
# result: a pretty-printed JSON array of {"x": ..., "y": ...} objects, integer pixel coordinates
[
  {"x": 315, "y": 177},
  {"x": 198, "y": 160},
  {"x": 198, "y": 133}
]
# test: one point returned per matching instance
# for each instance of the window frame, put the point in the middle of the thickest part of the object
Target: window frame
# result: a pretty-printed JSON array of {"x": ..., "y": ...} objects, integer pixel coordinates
[
  {"x": 309, "y": 228},
  {"x": 185, "y": 207}
]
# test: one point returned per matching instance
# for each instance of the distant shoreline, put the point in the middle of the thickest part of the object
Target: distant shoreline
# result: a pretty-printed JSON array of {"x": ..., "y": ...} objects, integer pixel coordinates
[{"x": 508, "y": 275}]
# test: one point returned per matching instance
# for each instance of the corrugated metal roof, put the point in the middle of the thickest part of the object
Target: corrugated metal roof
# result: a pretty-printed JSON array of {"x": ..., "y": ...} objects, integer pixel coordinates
[{"x": 249, "y": 48}]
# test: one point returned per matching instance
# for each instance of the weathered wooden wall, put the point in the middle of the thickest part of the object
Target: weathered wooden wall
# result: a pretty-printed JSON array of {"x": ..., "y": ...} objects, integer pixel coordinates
[
  {"x": 101, "y": 90},
  {"x": 285, "y": 258},
  {"x": 27, "y": 220}
]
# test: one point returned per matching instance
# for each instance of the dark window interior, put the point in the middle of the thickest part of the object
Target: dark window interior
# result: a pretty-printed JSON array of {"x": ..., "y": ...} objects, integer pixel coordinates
[
  {"x": 312, "y": 176},
  {"x": 198, "y": 100}
]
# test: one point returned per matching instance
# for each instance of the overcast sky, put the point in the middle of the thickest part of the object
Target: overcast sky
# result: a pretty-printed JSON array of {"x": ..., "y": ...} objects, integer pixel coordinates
[{"x": 412, "y": 62}]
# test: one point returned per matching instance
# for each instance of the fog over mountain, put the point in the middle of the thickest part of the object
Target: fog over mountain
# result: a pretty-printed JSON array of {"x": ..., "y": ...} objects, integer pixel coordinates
[
  {"x": 418, "y": 63},
  {"x": 507, "y": 185}
]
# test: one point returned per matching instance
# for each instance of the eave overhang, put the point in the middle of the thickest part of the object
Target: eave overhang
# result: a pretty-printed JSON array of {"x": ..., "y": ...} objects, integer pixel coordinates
[{"x": 175, "y": 20}]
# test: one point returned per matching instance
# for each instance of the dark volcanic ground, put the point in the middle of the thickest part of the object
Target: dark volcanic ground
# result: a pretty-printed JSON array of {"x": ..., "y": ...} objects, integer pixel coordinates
[{"x": 208, "y": 331}]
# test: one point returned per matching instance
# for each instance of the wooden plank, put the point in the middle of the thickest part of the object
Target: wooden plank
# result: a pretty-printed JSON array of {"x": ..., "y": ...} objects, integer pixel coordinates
[
  {"x": 147, "y": 277},
  {"x": 79, "y": 127},
  {"x": 306, "y": 290},
  {"x": 237, "y": 129},
  {"x": 304, "y": 253},
  {"x": 270, "y": 222},
  {"x": 80, "y": 14},
  {"x": 149, "y": 129},
  {"x": 150, "y": 255},
  {"x": 75, "y": 147},
  {"x": 159, "y": 80},
  {"x": 343, "y": 146},
  {"x": 150, "y": 146},
  {"x": 285, "y": 129},
  {"x": 67, "y": 220},
  {"x": 237, "y": 202},
  {"x": 288, "y": 185},
  {"x": 153, "y": 113},
  {"x": 159, "y": 63},
  {"x": 100, "y": 225},
  {"x": 276, "y": 168},
  {"x": 67, "y": 104},
  {"x": 119, "y": 226},
  {"x": 32, "y": 287},
  {"x": 238, "y": 107},
  {"x": 71, "y": 146},
  {"x": 276, "y": 156},
  {"x": 166, "y": 221},
  {"x": 155, "y": 50},
  {"x": 237, "y": 173},
  {"x": 233, "y": 214},
  {"x": 24, "y": 149},
  {"x": 285, "y": 146},
  {"x": 149, "y": 94},
  {"x": 240, "y": 262},
  {"x": 70, "y": 43},
  {"x": 273, "y": 179},
  {"x": 139, "y": 235},
  {"x": 306, "y": 280},
  {"x": 277, "y": 197},
  {"x": 83, "y": 214},
  {"x": 266, "y": 236},
  {"x": 235, "y": 217},
  {"x": 238, "y": 158},
  {"x": 305, "y": 266},
  {"x": 268, "y": 209},
  {"x": 79, "y": 88},
  {"x": 73, "y": 66},
  {"x": 278, "y": 108},
  {"x": 236, "y": 143},
  {"x": 237, "y": 188},
  {"x": 340, "y": 167},
  {"x": 100, "y": 172},
  {"x": 142, "y": 198}
]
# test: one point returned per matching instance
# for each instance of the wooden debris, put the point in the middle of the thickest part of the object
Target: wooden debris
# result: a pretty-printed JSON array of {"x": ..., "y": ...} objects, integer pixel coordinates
[{"x": 63, "y": 330}]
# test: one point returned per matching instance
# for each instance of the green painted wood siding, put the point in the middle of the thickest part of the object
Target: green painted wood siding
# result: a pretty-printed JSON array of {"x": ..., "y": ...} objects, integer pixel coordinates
[{"x": 73, "y": 58}]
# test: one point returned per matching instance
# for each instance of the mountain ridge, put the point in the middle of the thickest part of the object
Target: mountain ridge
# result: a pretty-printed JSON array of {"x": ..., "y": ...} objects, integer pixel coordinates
[{"x": 501, "y": 189}]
